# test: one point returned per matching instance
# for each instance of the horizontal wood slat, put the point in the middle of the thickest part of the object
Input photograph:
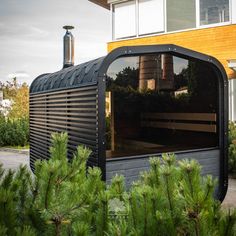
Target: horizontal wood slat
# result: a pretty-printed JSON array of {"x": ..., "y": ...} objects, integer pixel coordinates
[
  {"x": 63, "y": 96},
  {"x": 68, "y": 109},
  {"x": 62, "y": 100},
  {"x": 74, "y": 111},
  {"x": 181, "y": 116},
  {"x": 71, "y": 115},
  {"x": 177, "y": 121},
  {"x": 67, "y": 91},
  {"x": 181, "y": 126},
  {"x": 91, "y": 102}
]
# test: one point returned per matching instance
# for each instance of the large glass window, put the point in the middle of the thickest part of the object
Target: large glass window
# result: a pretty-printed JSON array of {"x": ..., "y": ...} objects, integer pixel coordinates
[
  {"x": 214, "y": 11},
  {"x": 180, "y": 14},
  {"x": 124, "y": 19},
  {"x": 159, "y": 103},
  {"x": 151, "y": 16}
]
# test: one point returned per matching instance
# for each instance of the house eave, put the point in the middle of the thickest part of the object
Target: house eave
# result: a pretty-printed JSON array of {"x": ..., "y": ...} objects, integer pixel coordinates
[{"x": 102, "y": 3}]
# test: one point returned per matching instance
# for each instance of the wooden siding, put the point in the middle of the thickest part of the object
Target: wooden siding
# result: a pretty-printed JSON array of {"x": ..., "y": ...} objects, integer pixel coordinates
[
  {"x": 218, "y": 42},
  {"x": 73, "y": 111},
  {"x": 131, "y": 168}
]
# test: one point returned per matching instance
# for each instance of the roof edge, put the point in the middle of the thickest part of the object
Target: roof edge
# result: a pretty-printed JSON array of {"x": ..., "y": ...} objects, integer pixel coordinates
[{"x": 101, "y": 3}]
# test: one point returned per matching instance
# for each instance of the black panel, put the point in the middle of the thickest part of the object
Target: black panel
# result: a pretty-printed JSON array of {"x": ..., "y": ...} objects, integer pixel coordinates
[{"x": 73, "y": 111}]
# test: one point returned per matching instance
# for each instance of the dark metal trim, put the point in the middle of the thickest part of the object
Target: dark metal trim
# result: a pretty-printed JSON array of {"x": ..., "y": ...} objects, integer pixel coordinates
[
  {"x": 102, "y": 125},
  {"x": 223, "y": 97}
]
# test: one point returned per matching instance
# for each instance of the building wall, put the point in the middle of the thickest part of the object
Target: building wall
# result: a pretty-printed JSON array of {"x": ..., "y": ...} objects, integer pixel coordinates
[
  {"x": 233, "y": 11},
  {"x": 218, "y": 42}
]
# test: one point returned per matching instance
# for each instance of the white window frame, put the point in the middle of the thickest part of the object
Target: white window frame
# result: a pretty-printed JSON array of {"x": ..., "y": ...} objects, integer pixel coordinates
[
  {"x": 215, "y": 24},
  {"x": 232, "y": 20},
  {"x": 156, "y": 31},
  {"x": 233, "y": 11},
  {"x": 135, "y": 20}
]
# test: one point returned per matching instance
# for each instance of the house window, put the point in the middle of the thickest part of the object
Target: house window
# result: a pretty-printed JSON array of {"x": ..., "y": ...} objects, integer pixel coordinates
[
  {"x": 232, "y": 99},
  {"x": 133, "y": 18},
  {"x": 180, "y": 15},
  {"x": 151, "y": 16},
  {"x": 214, "y": 11},
  {"x": 124, "y": 19}
]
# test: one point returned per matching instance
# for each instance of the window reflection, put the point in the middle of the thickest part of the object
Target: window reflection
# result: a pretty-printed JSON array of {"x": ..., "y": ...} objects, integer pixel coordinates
[
  {"x": 180, "y": 15},
  {"x": 160, "y": 103},
  {"x": 214, "y": 11}
]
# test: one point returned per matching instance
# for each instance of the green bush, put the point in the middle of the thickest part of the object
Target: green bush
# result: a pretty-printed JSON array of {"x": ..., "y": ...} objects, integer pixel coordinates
[
  {"x": 14, "y": 132},
  {"x": 232, "y": 148},
  {"x": 66, "y": 198}
]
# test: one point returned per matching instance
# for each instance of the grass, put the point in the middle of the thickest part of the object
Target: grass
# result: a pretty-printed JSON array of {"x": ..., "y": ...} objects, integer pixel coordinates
[{"x": 18, "y": 147}]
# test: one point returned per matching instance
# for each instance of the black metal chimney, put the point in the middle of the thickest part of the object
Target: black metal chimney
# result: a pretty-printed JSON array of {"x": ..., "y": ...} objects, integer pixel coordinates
[{"x": 68, "y": 46}]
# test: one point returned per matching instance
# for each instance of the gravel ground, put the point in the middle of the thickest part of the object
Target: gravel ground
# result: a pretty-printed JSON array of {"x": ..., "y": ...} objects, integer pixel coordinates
[{"x": 12, "y": 160}]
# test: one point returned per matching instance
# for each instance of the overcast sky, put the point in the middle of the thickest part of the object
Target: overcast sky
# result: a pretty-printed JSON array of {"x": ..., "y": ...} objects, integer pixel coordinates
[{"x": 31, "y": 35}]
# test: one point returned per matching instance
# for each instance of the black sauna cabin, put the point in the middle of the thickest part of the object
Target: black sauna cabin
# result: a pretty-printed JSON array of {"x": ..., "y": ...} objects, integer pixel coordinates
[{"x": 135, "y": 103}]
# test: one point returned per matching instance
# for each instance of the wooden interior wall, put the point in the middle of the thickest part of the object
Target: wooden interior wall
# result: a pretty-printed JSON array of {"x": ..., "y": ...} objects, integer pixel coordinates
[{"x": 219, "y": 42}]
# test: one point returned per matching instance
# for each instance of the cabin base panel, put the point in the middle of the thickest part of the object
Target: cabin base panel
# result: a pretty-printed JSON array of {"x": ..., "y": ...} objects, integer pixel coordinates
[{"x": 131, "y": 168}]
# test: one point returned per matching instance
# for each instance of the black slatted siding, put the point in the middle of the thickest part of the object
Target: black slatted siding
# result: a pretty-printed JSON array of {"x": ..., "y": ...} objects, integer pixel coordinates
[{"x": 74, "y": 111}]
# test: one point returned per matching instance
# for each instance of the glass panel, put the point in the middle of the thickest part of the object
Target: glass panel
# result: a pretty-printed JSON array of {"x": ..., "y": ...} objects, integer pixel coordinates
[
  {"x": 180, "y": 14},
  {"x": 124, "y": 19},
  {"x": 151, "y": 16},
  {"x": 160, "y": 103},
  {"x": 214, "y": 11}
]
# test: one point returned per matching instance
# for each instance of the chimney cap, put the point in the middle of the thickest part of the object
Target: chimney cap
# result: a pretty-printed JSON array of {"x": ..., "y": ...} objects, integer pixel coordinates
[{"x": 68, "y": 27}]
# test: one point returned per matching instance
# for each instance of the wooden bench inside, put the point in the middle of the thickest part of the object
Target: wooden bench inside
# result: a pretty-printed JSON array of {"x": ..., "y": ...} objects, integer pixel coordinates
[{"x": 201, "y": 122}]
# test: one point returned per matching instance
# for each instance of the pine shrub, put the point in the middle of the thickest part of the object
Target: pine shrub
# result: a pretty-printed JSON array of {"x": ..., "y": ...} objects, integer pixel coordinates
[
  {"x": 14, "y": 132},
  {"x": 67, "y": 198},
  {"x": 232, "y": 148}
]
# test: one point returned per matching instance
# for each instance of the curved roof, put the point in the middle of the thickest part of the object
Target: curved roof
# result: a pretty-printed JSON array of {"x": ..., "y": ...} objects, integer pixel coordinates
[
  {"x": 69, "y": 77},
  {"x": 88, "y": 72}
]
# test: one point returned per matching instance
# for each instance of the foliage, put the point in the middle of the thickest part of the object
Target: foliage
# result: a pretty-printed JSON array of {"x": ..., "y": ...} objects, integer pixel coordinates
[
  {"x": 14, "y": 132},
  {"x": 14, "y": 128},
  {"x": 20, "y": 107},
  {"x": 125, "y": 78},
  {"x": 232, "y": 148},
  {"x": 9, "y": 89},
  {"x": 65, "y": 198},
  {"x": 19, "y": 95}
]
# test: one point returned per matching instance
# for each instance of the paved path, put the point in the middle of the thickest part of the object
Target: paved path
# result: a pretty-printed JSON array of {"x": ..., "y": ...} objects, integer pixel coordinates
[
  {"x": 230, "y": 199},
  {"x": 13, "y": 160}
]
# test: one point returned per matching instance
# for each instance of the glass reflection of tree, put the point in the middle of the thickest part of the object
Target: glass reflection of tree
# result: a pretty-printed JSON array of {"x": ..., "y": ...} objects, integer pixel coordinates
[
  {"x": 202, "y": 86},
  {"x": 181, "y": 79},
  {"x": 128, "y": 77},
  {"x": 121, "y": 88}
]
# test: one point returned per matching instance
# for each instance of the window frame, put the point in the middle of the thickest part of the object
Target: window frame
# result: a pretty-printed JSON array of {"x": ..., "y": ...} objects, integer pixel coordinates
[
  {"x": 164, "y": 19},
  {"x": 198, "y": 25},
  {"x": 135, "y": 19}
]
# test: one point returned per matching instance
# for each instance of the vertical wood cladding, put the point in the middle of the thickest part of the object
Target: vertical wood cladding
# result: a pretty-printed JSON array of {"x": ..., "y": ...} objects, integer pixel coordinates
[
  {"x": 74, "y": 111},
  {"x": 218, "y": 42}
]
